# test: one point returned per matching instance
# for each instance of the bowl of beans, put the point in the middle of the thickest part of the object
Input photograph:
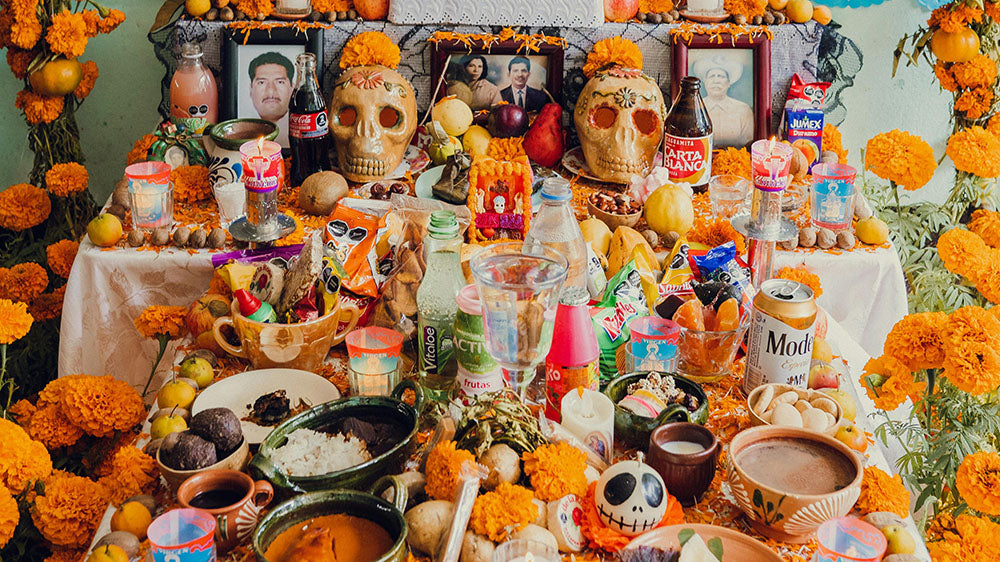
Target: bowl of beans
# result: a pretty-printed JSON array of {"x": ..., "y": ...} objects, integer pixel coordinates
[{"x": 614, "y": 209}]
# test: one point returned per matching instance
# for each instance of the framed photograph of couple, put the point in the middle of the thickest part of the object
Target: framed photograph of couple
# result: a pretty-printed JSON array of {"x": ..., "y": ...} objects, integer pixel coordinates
[
  {"x": 735, "y": 79},
  {"x": 505, "y": 71}
]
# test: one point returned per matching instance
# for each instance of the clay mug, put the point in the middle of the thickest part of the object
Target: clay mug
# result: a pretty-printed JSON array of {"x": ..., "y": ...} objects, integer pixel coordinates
[
  {"x": 237, "y": 520},
  {"x": 687, "y": 474}
]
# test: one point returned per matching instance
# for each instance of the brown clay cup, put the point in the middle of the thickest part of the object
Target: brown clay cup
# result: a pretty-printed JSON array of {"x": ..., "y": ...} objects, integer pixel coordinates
[
  {"x": 687, "y": 476},
  {"x": 236, "y": 522}
]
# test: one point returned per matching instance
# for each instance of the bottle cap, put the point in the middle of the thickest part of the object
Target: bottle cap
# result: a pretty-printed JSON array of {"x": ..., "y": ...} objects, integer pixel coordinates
[
  {"x": 468, "y": 300},
  {"x": 443, "y": 225},
  {"x": 191, "y": 50},
  {"x": 305, "y": 57},
  {"x": 556, "y": 189},
  {"x": 574, "y": 296},
  {"x": 248, "y": 303}
]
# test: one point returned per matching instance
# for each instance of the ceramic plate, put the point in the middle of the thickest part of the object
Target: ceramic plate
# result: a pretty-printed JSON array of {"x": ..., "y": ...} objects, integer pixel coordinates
[
  {"x": 239, "y": 392},
  {"x": 575, "y": 162},
  {"x": 425, "y": 187},
  {"x": 365, "y": 190},
  {"x": 735, "y": 545}
]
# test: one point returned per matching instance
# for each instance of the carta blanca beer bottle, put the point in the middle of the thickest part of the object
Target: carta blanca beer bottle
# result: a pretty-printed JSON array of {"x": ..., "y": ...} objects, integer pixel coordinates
[
  {"x": 437, "y": 304},
  {"x": 782, "y": 328},
  {"x": 688, "y": 136},
  {"x": 308, "y": 130}
]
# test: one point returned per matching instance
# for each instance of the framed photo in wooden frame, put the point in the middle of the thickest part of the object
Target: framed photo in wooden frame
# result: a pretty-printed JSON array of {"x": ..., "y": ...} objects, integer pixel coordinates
[
  {"x": 505, "y": 71},
  {"x": 735, "y": 79},
  {"x": 258, "y": 68}
]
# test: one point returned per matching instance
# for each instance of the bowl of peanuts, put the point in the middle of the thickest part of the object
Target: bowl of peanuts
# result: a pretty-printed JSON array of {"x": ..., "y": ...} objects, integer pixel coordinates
[
  {"x": 785, "y": 405},
  {"x": 614, "y": 209}
]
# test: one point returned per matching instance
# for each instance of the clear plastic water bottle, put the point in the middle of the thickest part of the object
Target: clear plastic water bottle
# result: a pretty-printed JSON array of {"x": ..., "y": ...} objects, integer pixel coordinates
[
  {"x": 437, "y": 304},
  {"x": 555, "y": 227}
]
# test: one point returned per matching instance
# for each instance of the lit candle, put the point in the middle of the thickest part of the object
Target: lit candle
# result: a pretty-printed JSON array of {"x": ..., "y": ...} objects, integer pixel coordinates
[
  {"x": 590, "y": 416},
  {"x": 151, "y": 195},
  {"x": 263, "y": 174}
]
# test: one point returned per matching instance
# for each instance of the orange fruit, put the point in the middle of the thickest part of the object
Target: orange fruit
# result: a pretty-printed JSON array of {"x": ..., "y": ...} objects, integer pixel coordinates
[
  {"x": 822, "y": 15},
  {"x": 799, "y": 11},
  {"x": 955, "y": 47},
  {"x": 56, "y": 78},
  {"x": 777, "y": 4},
  {"x": 132, "y": 517},
  {"x": 197, "y": 8},
  {"x": 728, "y": 316},
  {"x": 690, "y": 315},
  {"x": 108, "y": 553}
]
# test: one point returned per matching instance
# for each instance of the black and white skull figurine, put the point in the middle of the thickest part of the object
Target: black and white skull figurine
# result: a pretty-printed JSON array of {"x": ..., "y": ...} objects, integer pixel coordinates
[{"x": 631, "y": 497}]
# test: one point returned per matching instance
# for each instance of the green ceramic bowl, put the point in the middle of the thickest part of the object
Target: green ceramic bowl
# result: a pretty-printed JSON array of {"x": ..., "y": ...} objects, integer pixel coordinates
[
  {"x": 633, "y": 431},
  {"x": 231, "y": 134},
  {"x": 370, "y": 506},
  {"x": 327, "y": 417}
]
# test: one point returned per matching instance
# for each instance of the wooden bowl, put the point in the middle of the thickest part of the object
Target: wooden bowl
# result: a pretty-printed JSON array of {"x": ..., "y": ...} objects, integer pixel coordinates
[
  {"x": 781, "y": 496},
  {"x": 804, "y": 393},
  {"x": 237, "y": 460},
  {"x": 614, "y": 220}
]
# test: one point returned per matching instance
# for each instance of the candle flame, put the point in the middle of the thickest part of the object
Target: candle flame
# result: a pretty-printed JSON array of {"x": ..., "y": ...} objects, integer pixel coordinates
[
  {"x": 529, "y": 557},
  {"x": 579, "y": 390},
  {"x": 260, "y": 145},
  {"x": 258, "y": 162},
  {"x": 770, "y": 147}
]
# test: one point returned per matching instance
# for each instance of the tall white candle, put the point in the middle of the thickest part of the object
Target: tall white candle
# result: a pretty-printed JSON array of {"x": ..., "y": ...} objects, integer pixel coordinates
[{"x": 590, "y": 416}]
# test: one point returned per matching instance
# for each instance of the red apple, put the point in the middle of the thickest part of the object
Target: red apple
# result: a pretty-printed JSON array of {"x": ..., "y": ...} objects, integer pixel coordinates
[
  {"x": 822, "y": 375},
  {"x": 202, "y": 313},
  {"x": 507, "y": 120},
  {"x": 620, "y": 10},
  {"x": 372, "y": 9}
]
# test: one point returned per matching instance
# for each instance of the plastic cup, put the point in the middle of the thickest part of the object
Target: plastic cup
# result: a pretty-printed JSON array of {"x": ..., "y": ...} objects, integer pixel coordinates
[
  {"x": 832, "y": 203},
  {"x": 151, "y": 195},
  {"x": 182, "y": 535},
  {"x": 847, "y": 539},
  {"x": 655, "y": 340},
  {"x": 373, "y": 360},
  {"x": 728, "y": 194}
]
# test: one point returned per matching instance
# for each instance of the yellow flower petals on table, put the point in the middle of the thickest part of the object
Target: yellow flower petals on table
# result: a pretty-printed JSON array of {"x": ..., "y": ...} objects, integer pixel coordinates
[
  {"x": 509, "y": 505},
  {"x": 556, "y": 470}
]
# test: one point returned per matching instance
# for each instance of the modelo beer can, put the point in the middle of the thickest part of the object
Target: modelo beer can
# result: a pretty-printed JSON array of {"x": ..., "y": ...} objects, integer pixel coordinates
[{"x": 782, "y": 324}]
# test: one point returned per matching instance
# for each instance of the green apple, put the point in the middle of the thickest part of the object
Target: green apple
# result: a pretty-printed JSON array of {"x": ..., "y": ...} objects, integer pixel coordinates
[
  {"x": 197, "y": 369},
  {"x": 847, "y": 405}
]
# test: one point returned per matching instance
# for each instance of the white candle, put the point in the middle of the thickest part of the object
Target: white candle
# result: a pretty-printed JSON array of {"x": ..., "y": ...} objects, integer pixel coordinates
[
  {"x": 683, "y": 447},
  {"x": 590, "y": 416}
]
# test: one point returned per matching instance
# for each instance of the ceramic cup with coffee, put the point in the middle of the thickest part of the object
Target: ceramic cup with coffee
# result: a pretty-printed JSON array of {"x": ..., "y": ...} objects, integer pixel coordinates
[{"x": 232, "y": 497}]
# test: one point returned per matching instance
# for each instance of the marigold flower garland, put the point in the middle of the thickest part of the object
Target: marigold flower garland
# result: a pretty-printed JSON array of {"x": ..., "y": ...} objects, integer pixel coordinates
[
  {"x": 975, "y": 102},
  {"x": 955, "y": 20},
  {"x": 614, "y": 51},
  {"x": 556, "y": 470},
  {"x": 25, "y": 30},
  {"x": 369, "y": 49},
  {"x": 255, "y": 9},
  {"x": 904, "y": 159},
  {"x": 881, "y": 492},
  {"x": 69, "y": 511},
  {"x": 655, "y": 6},
  {"x": 66, "y": 179},
  {"x": 67, "y": 34},
  {"x": 976, "y": 151},
  {"x": 748, "y": 8},
  {"x": 38, "y": 108},
  {"x": 87, "y": 80},
  {"x": 444, "y": 468},
  {"x": 19, "y": 60},
  {"x": 23, "y": 206},
  {"x": 978, "y": 481}
]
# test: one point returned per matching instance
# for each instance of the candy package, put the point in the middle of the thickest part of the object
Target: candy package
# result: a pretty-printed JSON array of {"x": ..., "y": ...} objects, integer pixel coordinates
[
  {"x": 623, "y": 301},
  {"x": 351, "y": 235}
]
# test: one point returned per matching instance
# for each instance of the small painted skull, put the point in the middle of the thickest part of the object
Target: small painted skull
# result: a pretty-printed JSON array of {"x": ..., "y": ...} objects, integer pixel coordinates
[{"x": 631, "y": 497}]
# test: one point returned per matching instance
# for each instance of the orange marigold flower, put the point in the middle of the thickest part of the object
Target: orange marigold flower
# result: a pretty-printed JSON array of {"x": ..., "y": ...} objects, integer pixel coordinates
[
  {"x": 67, "y": 34},
  {"x": 735, "y": 161},
  {"x": 556, "y": 470},
  {"x": 716, "y": 232},
  {"x": 972, "y": 357},
  {"x": 25, "y": 30},
  {"x": 987, "y": 225},
  {"x": 133, "y": 472},
  {"x": 102, "y": 405},
  {"x": 255, "y": 8},
  {"x": 69, "y": 511},
  {"x": 369, "y": 49},
  {"x": 22, "y": 410},
  {"x": 508, "y": 505},
  {"x": 992, "y": 10},
  {"x": 19, "y": 60},
  {"x": 613, "y": 51},
  {"x": 140, "y": 149},
  {"x": 191, "y": 184},
  {"x": 91, "y": 18},
  {"x": 23, "y": 206},
  {"x": 87, "y": 80},
  {"x": 50, "y": 426},
  {"x": 159, "y": 320},
  {"x": 655, "y": 6},
  {"x": 332, "y": 5},
  {"x": 974, "y": 102},
  {"x": 945, "y": 77},
  {"x": 993, "y": 125},
  {"x": 954, "y": 20},
  {"x": 66, "y": 555},
  {"x": 888, "y": 382},
  {"x": 15, "y": 322},
  {"x": 963, "y": 252},
  {"x": 22, "y": 459},
  {"x": 114, "y": 19},
  {"x": 748, "y": 8},
  {"x": 978, "y": 480},
  {"x": 834, "y": 142},
  {"x": 974, "y": 538},
  {"x": 904, "y": 159},
  {"x": 976, "y": 151},
  {"x": 9, "y": 516},
  {"x": 804, "y": 276},
  {"x": 881, "y": 492},
  {"x": 48, "y": 306},
  {"x": 61, "y": 255},
  {"x": 23, "y": 282},
  {"x": 66, "y": 179},
  {"x": 916, "y": 340},
  {"x": 54, "y": 390},
  {"x": 294, "y": 237},
  {"x": 505, "y": 150},
  {"x": 978, "y": 72},
  {"x": 444, "y": 468},
  {"x": 38, "y": 108}
]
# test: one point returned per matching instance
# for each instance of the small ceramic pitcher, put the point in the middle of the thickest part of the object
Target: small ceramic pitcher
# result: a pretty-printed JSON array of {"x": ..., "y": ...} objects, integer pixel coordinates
[{"x": 237, "y": 521}]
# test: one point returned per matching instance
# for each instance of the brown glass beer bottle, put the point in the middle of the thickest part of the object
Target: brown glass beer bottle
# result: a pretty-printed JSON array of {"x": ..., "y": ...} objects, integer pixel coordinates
[{"x": 688, "y": 136}]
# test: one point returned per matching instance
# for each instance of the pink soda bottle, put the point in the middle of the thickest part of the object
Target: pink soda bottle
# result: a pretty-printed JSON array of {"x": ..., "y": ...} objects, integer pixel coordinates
[
  {"x": 573, "y": 358},
  {"x": 194, "y": 96}
]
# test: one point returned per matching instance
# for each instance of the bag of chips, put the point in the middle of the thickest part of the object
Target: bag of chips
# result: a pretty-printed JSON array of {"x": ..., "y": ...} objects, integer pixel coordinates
[
  {"x": 351, "y": 235},
  {"x": 622, "y": 302}
]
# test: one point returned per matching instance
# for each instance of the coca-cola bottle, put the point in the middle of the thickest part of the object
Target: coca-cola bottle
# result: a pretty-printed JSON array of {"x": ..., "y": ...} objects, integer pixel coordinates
[
  {"x": 688, "y": 136},
  {"x": 308, "y": 130}
]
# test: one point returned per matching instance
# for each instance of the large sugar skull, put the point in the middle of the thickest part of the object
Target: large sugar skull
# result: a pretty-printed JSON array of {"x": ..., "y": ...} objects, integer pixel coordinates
[
  {"x": 619, "y": 119},
  {"x": 373, "y": 114},
  {"x": 631, "y": 498}
]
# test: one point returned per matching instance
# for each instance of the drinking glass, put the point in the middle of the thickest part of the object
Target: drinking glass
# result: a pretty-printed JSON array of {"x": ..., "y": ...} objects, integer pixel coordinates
[
  {"x": 151, "y": 194},
  {"x": 728, "y": 194},
  {"x": 232, "y": 200},
  {"x": 373, "y": 360},
  {"x": 832, "y": 204},
  {"x": 519, "y": 292}
]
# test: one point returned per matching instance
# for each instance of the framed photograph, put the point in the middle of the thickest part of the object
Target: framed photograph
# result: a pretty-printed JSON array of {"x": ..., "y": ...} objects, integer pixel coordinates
[
  {"x": 259, "y": 72},
  {"x": 735, "y": 84},
  {"x": 505, "y": 71}
]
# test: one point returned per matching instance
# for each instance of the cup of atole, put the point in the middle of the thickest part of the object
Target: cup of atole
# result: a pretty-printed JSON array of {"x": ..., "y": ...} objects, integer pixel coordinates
[
  {"x": 232, "y": 497},
  {"x": 685, "y": 454}
]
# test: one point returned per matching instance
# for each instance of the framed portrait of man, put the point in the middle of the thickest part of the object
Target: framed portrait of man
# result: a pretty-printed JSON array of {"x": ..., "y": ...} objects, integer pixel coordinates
[
  {"x": 259, "y": 70},
  {"x": 735, "y": 84},
  {"x": 483, "y": 76}
]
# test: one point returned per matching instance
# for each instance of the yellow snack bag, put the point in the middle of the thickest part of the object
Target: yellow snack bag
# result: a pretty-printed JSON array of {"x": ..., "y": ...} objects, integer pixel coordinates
[
  {"x": 237, "y": 275},
  {"x": 647, "y": 276}
]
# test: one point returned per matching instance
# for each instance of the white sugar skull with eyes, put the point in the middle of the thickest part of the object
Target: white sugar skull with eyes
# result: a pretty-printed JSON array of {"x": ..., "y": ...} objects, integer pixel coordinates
[
  {"x": 631, "y": 497},
  {"x": 373, "y": 114},
  {"x": 619, "y": 119}
]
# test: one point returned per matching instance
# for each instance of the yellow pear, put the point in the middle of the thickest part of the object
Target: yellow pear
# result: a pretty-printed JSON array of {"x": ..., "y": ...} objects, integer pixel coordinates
[
  {"x": 176, "y": 393},
  {"x": 669, "y": 209}
]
